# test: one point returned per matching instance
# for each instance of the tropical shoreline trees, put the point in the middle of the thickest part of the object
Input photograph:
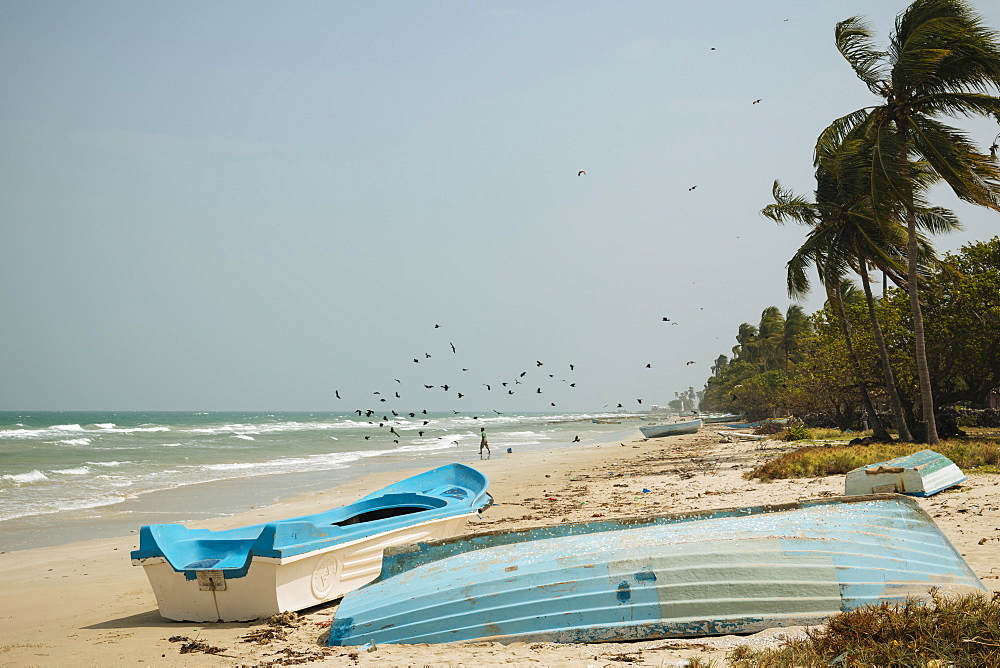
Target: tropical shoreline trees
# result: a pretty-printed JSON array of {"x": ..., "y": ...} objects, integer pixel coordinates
[{"x": 941, "y": 61}]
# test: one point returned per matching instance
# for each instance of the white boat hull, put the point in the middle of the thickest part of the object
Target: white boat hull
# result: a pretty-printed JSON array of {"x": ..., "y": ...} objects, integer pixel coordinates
[
  {"x": 923, "y": 473},
  {"x": 274, "y": 585}
]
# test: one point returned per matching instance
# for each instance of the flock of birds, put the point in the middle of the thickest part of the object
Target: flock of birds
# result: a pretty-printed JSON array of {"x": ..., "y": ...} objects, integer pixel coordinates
[
  {"x": 385, "y": 415},
  {"x": 506, "y": 387}
]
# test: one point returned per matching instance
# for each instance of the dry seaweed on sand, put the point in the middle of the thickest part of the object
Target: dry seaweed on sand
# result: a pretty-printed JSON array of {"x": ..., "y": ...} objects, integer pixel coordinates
[
  {"x": 265, "y": 636},
  {"x": 286, "y": 619},
  {"x": 196, "y": 645}
]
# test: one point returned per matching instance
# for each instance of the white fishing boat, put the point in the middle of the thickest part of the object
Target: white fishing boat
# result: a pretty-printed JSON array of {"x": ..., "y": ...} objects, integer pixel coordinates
[
  {"x": 921, "y": 474},
  {"x": 670, "y": 429},
  {"x": 254, "y": 572}
]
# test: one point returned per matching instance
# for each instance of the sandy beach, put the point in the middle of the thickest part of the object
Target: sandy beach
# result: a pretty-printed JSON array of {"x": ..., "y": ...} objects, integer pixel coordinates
[{"x": 85, "y": 604}]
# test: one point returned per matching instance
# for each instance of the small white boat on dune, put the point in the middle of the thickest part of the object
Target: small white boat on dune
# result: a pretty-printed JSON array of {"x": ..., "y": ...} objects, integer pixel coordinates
[
  {"x": 921, "y": 474},
  {"x": 670, "y": 429},
  {"x": 254, "y": 572}
]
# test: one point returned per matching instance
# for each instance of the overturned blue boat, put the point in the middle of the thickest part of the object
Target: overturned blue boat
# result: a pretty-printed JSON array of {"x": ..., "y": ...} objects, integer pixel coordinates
[
  {"x": 738, "y": 570},
  {"x": 256, "y": 571}
]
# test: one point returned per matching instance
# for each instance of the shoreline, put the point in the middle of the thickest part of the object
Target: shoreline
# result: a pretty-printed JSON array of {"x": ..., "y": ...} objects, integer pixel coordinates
[
  {"x": 216, "y": 499},
  {"x": 85, "y": 602}
]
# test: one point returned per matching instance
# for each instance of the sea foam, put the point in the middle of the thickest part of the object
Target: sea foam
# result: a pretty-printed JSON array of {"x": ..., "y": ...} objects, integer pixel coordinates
[{"x": 23, "y": 478}]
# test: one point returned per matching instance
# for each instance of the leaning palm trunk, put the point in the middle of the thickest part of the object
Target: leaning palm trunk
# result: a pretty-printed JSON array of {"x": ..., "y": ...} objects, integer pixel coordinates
[
  {"x": 878, "y": 428},
  {"x": 890, "y": 380},
  {"x": 919, "y": 348}
]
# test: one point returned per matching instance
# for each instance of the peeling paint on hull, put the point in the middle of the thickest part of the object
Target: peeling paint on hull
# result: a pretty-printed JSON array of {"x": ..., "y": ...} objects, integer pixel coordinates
[
  {"x": 718, "y": 572},
  {"x": 923, "y": 473}
]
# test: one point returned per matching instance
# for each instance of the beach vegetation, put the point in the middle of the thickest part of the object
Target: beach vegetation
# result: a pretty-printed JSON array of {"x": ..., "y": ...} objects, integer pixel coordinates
[
  {"x": 978, "y": 455},
  {"x": 796, "y": 432},
  {"x": 958, "y": 631}
]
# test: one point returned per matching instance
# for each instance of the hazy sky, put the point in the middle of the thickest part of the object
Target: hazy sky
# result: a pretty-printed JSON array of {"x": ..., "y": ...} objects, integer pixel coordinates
[{"x": 252, "y": 205}]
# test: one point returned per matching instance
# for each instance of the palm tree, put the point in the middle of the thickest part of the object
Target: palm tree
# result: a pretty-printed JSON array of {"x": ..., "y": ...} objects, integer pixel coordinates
[
  {"x": 822, "y": 251},
  {"x": 941, "y": 60},
  {"x": 843, "y": 236}
]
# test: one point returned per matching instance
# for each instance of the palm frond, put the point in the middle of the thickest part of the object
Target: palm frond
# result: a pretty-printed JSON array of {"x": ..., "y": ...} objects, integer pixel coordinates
[
  {"x": 958, "y": 104},
  {"x": 789, "y": 207},
  {"x": 832, "y": 138},
  {"x": 941, "y": 46},
  {"x": 975, "y": 177},
  {"x": 937, "y": 220},
  {"x": 854, "y": 41}
]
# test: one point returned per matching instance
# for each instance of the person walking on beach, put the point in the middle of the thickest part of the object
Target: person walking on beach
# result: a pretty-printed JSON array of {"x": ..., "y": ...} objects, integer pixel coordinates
[{"x": 483, "y": 445}]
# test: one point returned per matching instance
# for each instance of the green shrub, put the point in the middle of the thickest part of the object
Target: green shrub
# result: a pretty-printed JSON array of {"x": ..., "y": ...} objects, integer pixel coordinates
[{"x": 796, "y": 432}]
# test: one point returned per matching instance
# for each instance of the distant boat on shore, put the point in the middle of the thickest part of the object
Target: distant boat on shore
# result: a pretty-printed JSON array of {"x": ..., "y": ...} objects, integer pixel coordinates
[
  {"x": 715, "y": 572},
  {"x": 670, "y": 429},
  {"x": 923, "y": 473},
  {"x": 710, "y": 419},
  {"x": 257, "y": 571}
]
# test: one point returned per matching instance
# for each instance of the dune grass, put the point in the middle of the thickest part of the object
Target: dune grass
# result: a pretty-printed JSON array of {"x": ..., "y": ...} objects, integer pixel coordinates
[
  {"x": 959, "y": 631},
  {"x": 980, "y": 454}
]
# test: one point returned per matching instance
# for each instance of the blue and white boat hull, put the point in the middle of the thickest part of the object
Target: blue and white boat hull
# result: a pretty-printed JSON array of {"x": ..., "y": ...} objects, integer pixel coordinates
[
  {"x": 257, "y": 571},
  {"x": 728, "y": 571}
]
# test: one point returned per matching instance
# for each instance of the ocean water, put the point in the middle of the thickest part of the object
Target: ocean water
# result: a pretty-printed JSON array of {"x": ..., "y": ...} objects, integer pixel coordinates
[{"x": 65, "y": 476}]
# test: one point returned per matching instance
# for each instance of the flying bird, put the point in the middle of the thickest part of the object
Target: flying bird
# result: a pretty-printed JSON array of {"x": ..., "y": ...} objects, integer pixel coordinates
[
  {"x": 690, "y": 362},
  {"x": 429, "y": 387},
  {"x": 570, "y": 367},
  {"x": 581, "y": 173},
  {"x": 757, "y": 101},
  {"x": 538, "y": 363},
  {"x": 460, "y": 395},
  {"x": 692, "y": 188},
  {"x": 416, "y": 360},
  {"x": 522, "y": 374},
  {"x": 427, "y": 355},
  {"x": 639, "y": 400},
  {"x": 649, "y": 366},
  {"x": 666, "y": 320},
  {"x": 436, "y": 325},
  {"x": 488, "y": 388},
  {"x": 452, "y": 347},
  {"x": 576, "y": 439},
  {"x": 538, "y": 391},
  {"x": 398, "y": 380},
  {"x": 337, "y": 392},
  {"x": 445, "y": 387}
]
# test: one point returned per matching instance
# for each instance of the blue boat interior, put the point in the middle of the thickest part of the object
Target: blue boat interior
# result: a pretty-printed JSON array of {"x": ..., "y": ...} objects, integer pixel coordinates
[{"x": 402, "y": 504}]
